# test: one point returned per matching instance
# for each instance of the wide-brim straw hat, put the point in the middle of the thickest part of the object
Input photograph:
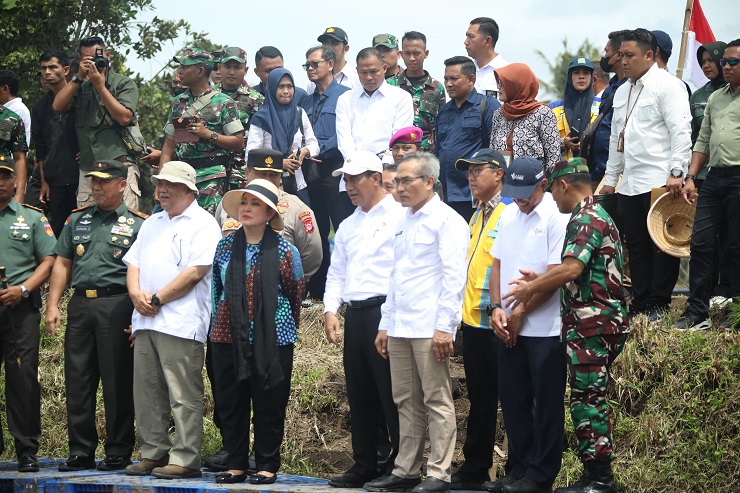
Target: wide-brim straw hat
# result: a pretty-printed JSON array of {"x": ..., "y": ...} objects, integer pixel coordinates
[
  {"x": 263, "y": 190},
  {"x": 670, "y": 223}
]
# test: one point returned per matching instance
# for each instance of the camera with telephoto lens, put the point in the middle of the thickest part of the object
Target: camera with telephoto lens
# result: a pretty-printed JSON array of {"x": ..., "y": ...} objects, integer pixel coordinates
[{"x": 100, "y": 61}]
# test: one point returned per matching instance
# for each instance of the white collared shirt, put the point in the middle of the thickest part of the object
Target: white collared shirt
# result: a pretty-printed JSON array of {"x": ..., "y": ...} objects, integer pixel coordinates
[
  {"x": 657, "y": 137},
  {"x": 429, "y": 273},
  {"x": 346, "y": 77},
  {"x": 532, "y": 241},
  {"x": 484, "y": 77},
  {"x": 362, "y": 259},
  {"x": 163, "y": 249}
]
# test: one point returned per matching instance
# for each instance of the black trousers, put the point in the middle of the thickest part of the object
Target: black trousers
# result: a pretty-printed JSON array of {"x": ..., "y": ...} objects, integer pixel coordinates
[
  {"x": 22, "y": 389},
  {"x": 717, "y": 212},
  {"x": 369, "y": 392},
  {"x": 532, "y": 378},
  {"x": 236, "y": 400},
  {"x": 480, "y": 358},
  {"x": 62, "y": 202},
  {"x": 465, "y": 209},
  {"x": 654, "y": 273},
  {"x": 97, "y": 349},
  {"x": 209, "y": 374}
]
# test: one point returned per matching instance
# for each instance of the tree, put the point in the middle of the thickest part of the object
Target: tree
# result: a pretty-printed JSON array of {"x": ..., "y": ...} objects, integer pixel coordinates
[{"x": 558, "y": 65}]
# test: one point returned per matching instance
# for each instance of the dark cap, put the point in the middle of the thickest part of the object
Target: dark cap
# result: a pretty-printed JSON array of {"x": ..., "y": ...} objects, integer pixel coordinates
[
  {"x": 194, "y": 56},
  {"x": 233, "y": 53},
  {"x": 483, "y": 156},
  {"x": 581, "y": 61},
  {"x": 664, "y": 43},
  {"x": 265, "y": 160},
  {"x": 7, "y": 164},
  {"x": 108, "y": 170},
  {"x": 387, "y": 40},
  {"x": 569, "y": 167},
  {"x": 522, "y": 176},
  {"x": 335, "y": 33}
]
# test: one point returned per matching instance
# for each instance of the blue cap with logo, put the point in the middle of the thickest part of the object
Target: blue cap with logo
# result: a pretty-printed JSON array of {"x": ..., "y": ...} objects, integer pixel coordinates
[
  {"x": 581, "y": 61},
  {"x": 522, "y": 176}
]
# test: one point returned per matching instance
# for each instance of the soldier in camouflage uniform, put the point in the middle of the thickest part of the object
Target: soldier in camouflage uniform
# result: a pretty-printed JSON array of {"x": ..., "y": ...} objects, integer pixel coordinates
[
  {"x": 594, "y": 316},
  {"x": 428, "y": 93},
  {"x": 13, "y": 148},
  {"x": 215, "y": 121},
  {"x": 234, "y": 68}
]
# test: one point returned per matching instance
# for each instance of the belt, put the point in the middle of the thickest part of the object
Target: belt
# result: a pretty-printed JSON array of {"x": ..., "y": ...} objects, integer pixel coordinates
[
  {"x": 99, "y": 292},
  {"x": 725, "y": 171},
  {"x": 368, "y": 303},
  {"x": 207, "y": 162}
]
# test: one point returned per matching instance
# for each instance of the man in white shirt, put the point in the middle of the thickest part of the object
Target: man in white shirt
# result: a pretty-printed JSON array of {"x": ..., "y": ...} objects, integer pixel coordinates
[
  {"x": 531, "y": 359},
  {"x": 9, "y": 85},
  {"x": 480, "y": 43},
  {"x": 169, "y": 281},
  {"x": 344, "y": 74},
  {"x": 650, "y": 147},
  {"x": 359, "y": 275},
  {"x": 417, "y": 328}
]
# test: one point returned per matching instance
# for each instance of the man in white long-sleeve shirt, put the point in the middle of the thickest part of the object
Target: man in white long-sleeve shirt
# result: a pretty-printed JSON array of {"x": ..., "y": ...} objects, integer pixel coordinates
[
  {"x": 417, "y": 328},
  {"x": 650, "y": 147}
]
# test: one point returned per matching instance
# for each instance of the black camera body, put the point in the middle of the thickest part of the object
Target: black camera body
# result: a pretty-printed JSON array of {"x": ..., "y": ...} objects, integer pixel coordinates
[{"x": 100, "y": 61}]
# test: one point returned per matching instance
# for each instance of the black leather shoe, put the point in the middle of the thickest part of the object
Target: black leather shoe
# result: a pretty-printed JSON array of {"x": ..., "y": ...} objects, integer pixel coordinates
[
  {"x": 77, "y": 463},
  {"x": 228, "y": 478},
  {"x": 28, "y": 463},
  {"x": 114, "y": 463},
  {"x": 262, "y": 479},
  {"x": 465, "y": 482},
  {"x": 349, "y": 480},
  {"x": 432, "y": 485},
  {"x": 498, "y": 485},
  {"x": 525, "y": 485},
  {"x": 218, "y": 461},
  {"x": 392, "y": 482}
]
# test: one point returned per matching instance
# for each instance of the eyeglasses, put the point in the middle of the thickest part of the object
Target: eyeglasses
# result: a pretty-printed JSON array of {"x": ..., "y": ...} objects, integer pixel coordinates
[
  {"x": 406, "y": 181},
  {"x": 474, "y": 172},
  {"x": 732, "y": 62},
  {"x": 313, "y": 65}
]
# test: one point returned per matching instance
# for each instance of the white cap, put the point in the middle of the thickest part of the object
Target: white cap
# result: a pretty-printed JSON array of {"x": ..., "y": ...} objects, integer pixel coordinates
[{"x": 360, "y": 162}]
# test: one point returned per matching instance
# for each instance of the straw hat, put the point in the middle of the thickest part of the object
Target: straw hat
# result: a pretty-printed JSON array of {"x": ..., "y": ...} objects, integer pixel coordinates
[
  {"x": 263, "y": 190},
  {"x": 670, "y": 222}
]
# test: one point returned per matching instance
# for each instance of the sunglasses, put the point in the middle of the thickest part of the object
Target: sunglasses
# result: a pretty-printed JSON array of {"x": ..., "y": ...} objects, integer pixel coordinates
[
  {"x": 732, "y": 62},
  {"x": 313, "y": 65}
]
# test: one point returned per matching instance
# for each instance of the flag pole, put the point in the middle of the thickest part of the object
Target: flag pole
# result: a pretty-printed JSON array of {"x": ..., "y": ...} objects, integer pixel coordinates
[{"x": 684, "y": 37}]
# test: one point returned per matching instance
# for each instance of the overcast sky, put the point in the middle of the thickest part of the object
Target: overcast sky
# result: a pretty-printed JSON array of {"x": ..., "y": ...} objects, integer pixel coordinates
[{"x": 526, "y": 26}]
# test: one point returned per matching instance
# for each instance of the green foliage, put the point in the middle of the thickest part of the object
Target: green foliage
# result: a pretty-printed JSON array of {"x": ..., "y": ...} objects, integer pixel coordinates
[
  {"x": 733, "y": 313},
  {"x": 558, "y": 65}
]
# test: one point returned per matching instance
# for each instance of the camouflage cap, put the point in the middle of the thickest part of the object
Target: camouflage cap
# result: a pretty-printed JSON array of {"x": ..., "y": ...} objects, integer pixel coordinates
[
  {"x": 387, "y": 40},
  {"x": 569, "y": 167},
  {"x": 108, "y": 170},
  {"x": 233, "y": 53},
  {"x": 194, "y": 56}
]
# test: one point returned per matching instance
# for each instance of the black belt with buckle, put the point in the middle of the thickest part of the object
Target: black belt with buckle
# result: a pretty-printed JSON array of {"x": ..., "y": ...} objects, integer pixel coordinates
[
  {"x": 92, "y": 293},
  {"x": 725, "y": 171},
  {"x": 368, "y": 303}
]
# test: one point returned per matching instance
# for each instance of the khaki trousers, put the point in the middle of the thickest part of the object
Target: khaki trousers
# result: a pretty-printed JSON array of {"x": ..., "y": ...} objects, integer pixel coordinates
[
  {"x": 168, "y": 378},
  {"x": 130, "y": 196},
  {"x": 421, "y": 385}
]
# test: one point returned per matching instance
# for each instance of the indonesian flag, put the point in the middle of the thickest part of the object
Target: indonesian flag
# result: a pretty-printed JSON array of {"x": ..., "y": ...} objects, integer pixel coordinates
[{"x": 699, "y": 34}]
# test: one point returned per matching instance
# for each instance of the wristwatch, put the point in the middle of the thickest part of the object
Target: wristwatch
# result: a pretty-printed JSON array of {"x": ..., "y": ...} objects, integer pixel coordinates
[
  {"x": 490, "y": 308},
  {"x": 24, "y": 291},
  {"x": 155, "y": 300},
  {"x": 677, "y": 172},
  {"x": 689, "y": 176},
  {"x": 214, "y": 136},
  {"x": 76, "y": 79}
]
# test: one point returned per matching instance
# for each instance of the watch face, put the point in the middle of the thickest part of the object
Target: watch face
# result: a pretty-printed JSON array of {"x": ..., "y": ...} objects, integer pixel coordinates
[{"x": 677, "y": 172}]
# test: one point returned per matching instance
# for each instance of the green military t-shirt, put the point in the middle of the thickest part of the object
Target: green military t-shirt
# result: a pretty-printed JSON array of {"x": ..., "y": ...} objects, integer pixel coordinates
[
  {"x": 247, "y": 100},
  {"x": 25, "y": 238},
  {"x": 428, "y": 95},
  {"x": 96, "y": 241},
  {"x": 12, "y": 133}
]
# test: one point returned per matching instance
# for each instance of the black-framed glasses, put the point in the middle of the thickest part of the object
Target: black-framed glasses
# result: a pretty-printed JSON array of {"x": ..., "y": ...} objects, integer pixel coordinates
[
  {"x": 406, "y": 181},
  {"x": 475, "y": 172},
  {"x": 732, "y": 62},
  {"x": 313, "y": 65}
]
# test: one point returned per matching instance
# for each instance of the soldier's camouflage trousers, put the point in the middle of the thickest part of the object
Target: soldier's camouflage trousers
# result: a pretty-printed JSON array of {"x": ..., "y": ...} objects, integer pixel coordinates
[
  {"x": 210, "y": 184},
  {"x": 589, "y": 360}
]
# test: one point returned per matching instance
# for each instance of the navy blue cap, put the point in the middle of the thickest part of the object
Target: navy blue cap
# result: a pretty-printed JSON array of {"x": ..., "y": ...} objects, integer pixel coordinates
[
  {"x": 522, "y": 176},
  {"x": 664, "y": 43},
  {"x": 581, "y": 61},
  {"x": 482, "y": 156}
]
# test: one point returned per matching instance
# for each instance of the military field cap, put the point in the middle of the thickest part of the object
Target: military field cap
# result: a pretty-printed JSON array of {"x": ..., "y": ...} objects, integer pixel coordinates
[
  {"x": 387, "y": 40},
  {"x": 233, "y": 53},
  {"x": 335, "y": 33},
  {"x": 407, "y": 135},
  {"x": 265, "y": 160},
  {"x": 7, "y": 164},
  {"x": 360, "y": 162},
  {"x": 263, "y": 190},
  {"x": 522, "y": 176},
  {"x": 562, "y": 168},
  {"x": 670, "y": 223},
  {"x": 177, "y": 172},
  {"x": 483, "y": 156},
  {"x": 194, "y": 56},
  {"x": 108, "y": 169},
  {"x": 580, "y": 61}
]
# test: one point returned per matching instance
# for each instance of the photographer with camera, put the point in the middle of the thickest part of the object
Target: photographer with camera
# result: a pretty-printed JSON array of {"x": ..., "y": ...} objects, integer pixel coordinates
[{"x": 104, "y": 103}]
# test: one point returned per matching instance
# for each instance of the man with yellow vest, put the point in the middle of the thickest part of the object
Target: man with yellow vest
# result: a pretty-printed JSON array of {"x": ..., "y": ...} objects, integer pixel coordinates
[{"x": 480, "y": 346}]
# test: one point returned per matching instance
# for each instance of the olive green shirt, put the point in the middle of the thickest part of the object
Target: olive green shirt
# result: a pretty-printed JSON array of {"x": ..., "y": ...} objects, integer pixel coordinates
[
  {"x": 96, "y": 241},
  {"x": 25, "y": 238},
  {"x": 719, "y": 137}
]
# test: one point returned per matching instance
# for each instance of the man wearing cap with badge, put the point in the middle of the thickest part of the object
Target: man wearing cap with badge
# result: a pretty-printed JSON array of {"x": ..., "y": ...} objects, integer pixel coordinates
[
  {"x": 103, "y": 101},
  {"x": 96, "y": 346},
  {"x": 344, "y": 74},
  {"x": 203, "y": 128},
  {"x": 531, "y": 358},
  {"x": 485, "y": 170},
  {"x": 594, "y": 316},
  {"x": 387, "y": 45},
  {"x": 169, "y": 281},
  {"x": 26, "y": 257},
  {"x": 359, "y": 275}
]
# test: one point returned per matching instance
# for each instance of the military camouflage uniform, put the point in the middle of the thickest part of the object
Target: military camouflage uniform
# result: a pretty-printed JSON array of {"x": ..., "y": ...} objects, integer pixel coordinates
[
  {"x": 220, "y": 115},
  {"x": 12, "y": 133},
  {"x": 595, "y": 324},
  {"x": 428, "y": 98}
]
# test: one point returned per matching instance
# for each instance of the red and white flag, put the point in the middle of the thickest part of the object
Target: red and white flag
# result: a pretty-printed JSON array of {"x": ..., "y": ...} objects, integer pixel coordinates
[{"x": 699, "y": 34}]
